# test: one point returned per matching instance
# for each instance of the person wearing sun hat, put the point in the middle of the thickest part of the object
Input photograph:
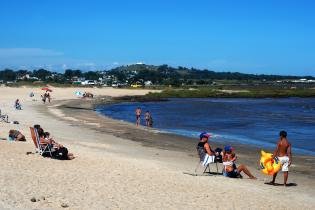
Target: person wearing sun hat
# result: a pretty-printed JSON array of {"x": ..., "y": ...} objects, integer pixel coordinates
[{"x": 205, "y": 152}]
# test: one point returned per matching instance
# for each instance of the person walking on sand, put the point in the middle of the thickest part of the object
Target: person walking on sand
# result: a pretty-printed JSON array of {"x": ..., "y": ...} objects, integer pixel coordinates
[
  {"x": 138, "y": 116},
  {"x": 48, "y": 96},
  {"x": 43, "y": 98},
  {"x": 283, "y": 152}
]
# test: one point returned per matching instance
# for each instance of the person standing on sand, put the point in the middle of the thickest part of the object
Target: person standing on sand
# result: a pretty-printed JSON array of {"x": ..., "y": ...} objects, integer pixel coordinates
[
  {"x": 43, "y": 98},
  {"x": 283, "y": 152},
  {"x": 138, "y": 116},
  {"x": 48, "y": 96}
]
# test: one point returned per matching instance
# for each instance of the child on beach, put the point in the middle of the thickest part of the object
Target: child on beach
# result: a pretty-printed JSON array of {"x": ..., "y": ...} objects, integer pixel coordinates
[
  {"x": 230, "y": 169},
  {"x": 284, "y": 153}
]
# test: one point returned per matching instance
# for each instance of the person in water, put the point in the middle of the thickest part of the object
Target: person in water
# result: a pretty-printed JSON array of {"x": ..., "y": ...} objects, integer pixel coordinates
[
  {"x": 138, "y": 116},
  {"x": 148, "y": 119},
  {"x": 284, "y": 154}
]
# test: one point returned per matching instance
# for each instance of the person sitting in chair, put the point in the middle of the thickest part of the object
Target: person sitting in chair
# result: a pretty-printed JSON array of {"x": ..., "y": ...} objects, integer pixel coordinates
[
  {"x": 17, "y": 104},
  {"x": 230, "y": 169},
  {"x": 58, "y": 151},
  {"x": 206, "y": 154}
]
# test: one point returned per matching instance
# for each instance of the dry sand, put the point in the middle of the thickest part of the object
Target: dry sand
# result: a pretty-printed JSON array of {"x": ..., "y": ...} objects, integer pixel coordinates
[{"x": 111, "y": 172}]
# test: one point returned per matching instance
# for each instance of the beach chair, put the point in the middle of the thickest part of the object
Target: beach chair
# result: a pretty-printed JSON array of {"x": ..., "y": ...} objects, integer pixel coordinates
[
  {"x": 42, "y": 149},
  {"x": 4, "y": 118},
  {"x": 205, "y": 160}
]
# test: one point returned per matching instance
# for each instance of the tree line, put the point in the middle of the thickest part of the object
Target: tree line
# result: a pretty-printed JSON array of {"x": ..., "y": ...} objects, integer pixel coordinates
[{"x": 161, "y": 75}]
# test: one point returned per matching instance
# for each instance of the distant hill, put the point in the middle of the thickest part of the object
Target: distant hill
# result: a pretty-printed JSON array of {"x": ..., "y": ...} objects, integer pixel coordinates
[
  {"x": 141, "y": 73},
  {"x": 164, "y": 74}
]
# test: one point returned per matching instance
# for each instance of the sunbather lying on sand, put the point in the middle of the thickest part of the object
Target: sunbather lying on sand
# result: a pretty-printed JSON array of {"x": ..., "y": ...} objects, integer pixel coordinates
[
  {"x": 15, "y": 135},
  {"x": 58, "y": 150},
  {"x": 230, "y": 169}
]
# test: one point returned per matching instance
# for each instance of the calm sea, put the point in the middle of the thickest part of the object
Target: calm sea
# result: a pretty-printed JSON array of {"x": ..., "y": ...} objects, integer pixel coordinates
[{"x": 249, "y": 121}]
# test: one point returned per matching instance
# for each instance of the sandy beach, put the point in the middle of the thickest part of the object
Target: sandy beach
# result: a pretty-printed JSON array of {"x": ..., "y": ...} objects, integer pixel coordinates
[{"x": 121, "y": 166}]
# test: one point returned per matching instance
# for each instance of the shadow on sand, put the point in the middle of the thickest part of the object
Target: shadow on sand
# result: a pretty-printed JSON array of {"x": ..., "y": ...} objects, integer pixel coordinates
[
  {"x": 203, "y": 174},
  {"x": 277, "y": 184}
]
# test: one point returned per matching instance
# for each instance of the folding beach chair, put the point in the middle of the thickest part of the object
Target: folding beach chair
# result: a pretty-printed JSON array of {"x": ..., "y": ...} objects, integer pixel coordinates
[
  {"x": 205, "y": 160},
  {"x": 40, "y": 148},
  {"x": 4, "y": 118}
]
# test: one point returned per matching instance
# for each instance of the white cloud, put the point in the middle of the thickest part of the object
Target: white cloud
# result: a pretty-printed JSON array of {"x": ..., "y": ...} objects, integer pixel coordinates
[
  {"x": 86, "y": 64},
  {"x": 28, "y": 52}
]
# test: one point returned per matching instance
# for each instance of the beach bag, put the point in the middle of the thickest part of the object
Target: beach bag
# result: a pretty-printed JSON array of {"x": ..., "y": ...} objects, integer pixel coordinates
[
  {"x": 61, "y": 154},
  {"x": 218, "y": 158}
]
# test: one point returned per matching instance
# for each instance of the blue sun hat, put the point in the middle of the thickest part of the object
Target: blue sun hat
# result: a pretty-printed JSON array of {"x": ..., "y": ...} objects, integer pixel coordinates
[{"x": 228, "y": 148}]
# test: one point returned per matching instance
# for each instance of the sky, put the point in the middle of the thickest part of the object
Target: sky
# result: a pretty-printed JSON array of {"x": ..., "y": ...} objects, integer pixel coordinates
[{"x": 258, "y": 37}]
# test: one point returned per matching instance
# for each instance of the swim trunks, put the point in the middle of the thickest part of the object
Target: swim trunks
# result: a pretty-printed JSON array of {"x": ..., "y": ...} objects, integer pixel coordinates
[
  {"x": 284, "y": 163},
  {"x": 232, "y": 174}
]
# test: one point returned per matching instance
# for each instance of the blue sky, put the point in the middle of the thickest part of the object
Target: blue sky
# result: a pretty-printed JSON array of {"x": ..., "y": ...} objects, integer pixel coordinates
[{"x": 271, "y": 37}]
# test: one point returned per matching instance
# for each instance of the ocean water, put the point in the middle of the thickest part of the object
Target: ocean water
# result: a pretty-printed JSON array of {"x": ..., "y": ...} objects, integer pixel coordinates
[{"x": 249, "y": 121}]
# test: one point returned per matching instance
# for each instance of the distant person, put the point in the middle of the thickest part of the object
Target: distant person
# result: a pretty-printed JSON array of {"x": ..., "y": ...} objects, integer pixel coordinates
[
  {"x": 43, "y": 98},
  {"x": 48, "y": 96},
  {"x": 230, "y": 170},
  {"x": 15, "y": 135},
  {"x": 17, "y": 104},
  {"x": 138, "y": 116},
  {"x": 148, "y": 119},
  {"x": 283, "y": 152}
]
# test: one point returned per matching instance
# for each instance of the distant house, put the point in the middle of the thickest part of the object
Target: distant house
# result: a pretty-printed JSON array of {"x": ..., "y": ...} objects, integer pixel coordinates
[
  {"x": 148, "y": 83},
  {"x": 88, "y": 82},
  {"x": 23, "y": 77}
]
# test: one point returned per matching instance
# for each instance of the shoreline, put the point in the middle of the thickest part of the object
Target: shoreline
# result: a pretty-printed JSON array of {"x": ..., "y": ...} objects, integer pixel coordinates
[
  {"x": 244, "y": 141},
  {"x": 151, "y": 137}
]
